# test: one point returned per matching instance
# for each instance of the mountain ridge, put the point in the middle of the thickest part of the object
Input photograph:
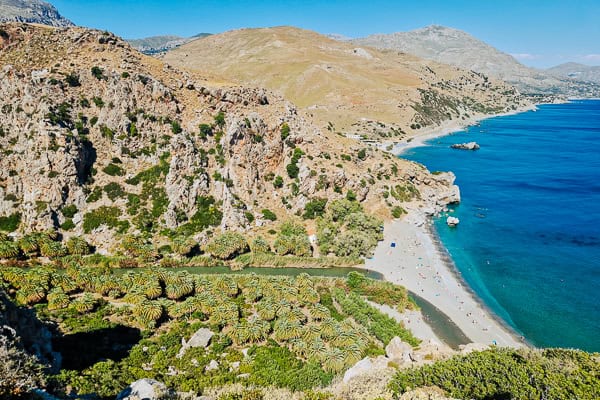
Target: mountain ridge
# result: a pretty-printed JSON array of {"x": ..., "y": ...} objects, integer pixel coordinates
[
  {"x": 32, "y": 11},
  {"x": 456, "y": 47},
  {"x": 380, "y": 95},
  {"x": 156, "y": 45}
]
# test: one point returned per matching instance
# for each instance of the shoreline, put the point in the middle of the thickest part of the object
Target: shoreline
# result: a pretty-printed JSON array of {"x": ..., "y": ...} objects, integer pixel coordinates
[
  {"x": 417, "y": 264},
  {"x": 450, "y": 127}
]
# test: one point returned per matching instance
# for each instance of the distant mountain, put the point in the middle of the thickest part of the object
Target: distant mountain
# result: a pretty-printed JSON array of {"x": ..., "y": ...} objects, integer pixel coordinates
[
  {"x": 31, "y": 11},
  {"x": 576, "y": 71},
  {"x": 455, "y": 47},
  {"x": 378, "y": 95},
  {"x": 159, "y": 44}
]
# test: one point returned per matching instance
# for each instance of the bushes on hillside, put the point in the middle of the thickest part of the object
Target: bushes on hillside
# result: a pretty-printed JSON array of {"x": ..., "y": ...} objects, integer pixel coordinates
[
  {"x": 510, "y": 374},
  {"x": 346, "y": 230}
]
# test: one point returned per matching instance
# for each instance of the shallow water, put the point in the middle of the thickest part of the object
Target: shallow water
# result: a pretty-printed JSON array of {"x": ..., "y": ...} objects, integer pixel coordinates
[{"x": 529, "y": 238}]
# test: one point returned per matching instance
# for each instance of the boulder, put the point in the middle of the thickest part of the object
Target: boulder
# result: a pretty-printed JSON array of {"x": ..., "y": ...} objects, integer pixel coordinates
[
  {"x": 452, "y": 221},
  {"x": 199, "y": 339},
  {"x": 366, "y": 366},
  {"x": 212, "y": 365},
  {"x": 399, "y": 351},
  {"x": 144, "y": 389},
  {"x": 466, "y": 146}
]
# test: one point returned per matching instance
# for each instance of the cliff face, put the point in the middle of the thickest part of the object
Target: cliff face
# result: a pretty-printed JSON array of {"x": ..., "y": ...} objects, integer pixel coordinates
[
  {"x": 99, "y": 140},
  {"x": 32, "y": 11}
]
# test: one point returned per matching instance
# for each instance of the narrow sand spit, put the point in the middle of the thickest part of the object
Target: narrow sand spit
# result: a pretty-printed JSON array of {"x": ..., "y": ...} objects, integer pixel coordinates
[{"x": 416, "y": 264}]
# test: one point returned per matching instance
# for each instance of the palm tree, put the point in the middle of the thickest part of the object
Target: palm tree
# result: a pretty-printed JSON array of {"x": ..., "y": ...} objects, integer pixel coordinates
[
  {"x": 30, "y": 244},
  {"x": 148, "y": 312},
  {"x": 9, "y": 250},
  {"x": 78, "y": 246},
  {"x": 258, "y": 329},
  {"x": 84, "y": 304},
  {"x": 240, "y": 333},
  {"x": 152, "y": 290},
  {"x": 52, "y": 249},
  {"x": 329, "y": 328},
  {"x": 334, "y": 360},
  {"x": 57, "y": 299},
  {"x": 226, "y": 285},
  {"x": 319, "y": 312},
  {"x": 30, "y": 294},
  {"x": 265, "y": 310}
]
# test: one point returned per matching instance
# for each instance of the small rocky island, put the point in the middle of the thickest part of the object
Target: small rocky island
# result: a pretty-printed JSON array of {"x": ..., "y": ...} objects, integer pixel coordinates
[{"x": 466, "y": 146}]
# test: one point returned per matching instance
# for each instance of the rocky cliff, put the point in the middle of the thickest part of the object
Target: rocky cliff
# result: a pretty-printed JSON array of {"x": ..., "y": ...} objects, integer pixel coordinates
[
  {"x": 33, "y": 11},
  {"x": 98, "y": 140}
]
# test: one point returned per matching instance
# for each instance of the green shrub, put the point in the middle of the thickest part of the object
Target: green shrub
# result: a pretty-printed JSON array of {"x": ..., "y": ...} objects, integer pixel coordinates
[
  {"x": 113, "y": 170},
  {"x": 69, "y": 211},
  {"x": 278, "y": 182},
  {"x": 10, "y": 223},
  {"x": 292, "y": 170},
  {"x": 72, "y": 79},
  {"x": 114, "y": 191},
  {"x": 176, "y": 128},
  {"x": 95, "y": 195},
  {"x": 205, "y": 131},
  {"x": 208, "y": 214},
  {"x": 97, "y": 73},
  {"x": 314, "y": 208},
  {"x": 509, "y": 374},
  {"x": 285, "y": 131},
  {"x": 220, "y": 119},
  {"x": 104, "y": 215},
  {"x": 269, "y": 215},
  {"x": 67, "y": 225},
  {"x": 362, "y": 154},
  {"x": 277, "y": 366},
  {"x": 398, "y": 211}
]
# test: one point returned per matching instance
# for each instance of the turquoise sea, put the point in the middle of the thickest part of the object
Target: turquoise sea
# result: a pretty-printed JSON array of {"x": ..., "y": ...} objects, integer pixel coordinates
[{"x": 529, "y": 238}]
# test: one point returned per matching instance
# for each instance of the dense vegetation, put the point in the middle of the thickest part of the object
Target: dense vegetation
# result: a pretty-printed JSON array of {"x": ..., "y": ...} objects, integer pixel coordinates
[
  {"x": 298, "y": 334},
  {"x": 510, "y": 374}
]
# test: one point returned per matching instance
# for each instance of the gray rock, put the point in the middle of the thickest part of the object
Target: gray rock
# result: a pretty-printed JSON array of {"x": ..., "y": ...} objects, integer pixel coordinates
[
  {"x": 212, "y": 365},
  {"x": 144, "y": 389},
  {"x": 365, "y": 366},
  {"x": 399, "y": 351},
  {"x": 466, "y": 146},
  {"x": 199, "y": 339},
  {"x": 452, "y": 221}
]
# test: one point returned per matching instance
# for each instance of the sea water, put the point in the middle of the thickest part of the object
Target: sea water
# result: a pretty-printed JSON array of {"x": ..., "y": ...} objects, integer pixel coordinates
[{"x": 528, "y": 242}]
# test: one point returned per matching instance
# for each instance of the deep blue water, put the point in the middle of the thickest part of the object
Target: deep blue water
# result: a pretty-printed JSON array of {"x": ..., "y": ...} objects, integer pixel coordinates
[{"x": 529, "y": 238}]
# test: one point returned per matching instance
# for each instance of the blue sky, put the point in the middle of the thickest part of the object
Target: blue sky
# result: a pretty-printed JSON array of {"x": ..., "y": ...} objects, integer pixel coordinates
[{"x": 540, "y": 33}]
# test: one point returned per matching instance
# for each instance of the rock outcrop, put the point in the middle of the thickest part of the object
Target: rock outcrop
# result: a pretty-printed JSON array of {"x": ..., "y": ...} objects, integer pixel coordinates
[
  {"x": 201, "y": 338},
  {"x": 466, "y": 146},
  {"x": 452, "y": 221},
  {"x": 133, "y": 145},
  {"x": 144, "y": 389},
  {"x": 31, "y": 11}
]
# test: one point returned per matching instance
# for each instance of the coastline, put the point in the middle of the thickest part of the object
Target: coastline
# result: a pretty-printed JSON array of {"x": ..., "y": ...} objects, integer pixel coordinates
[
  {"x": 421, "y": 263},
  {"x": 417, "y": 264},
  {"x": 450, "y": 127}
]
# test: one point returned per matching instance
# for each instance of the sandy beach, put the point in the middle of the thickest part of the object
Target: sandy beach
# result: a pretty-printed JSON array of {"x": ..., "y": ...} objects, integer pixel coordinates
[
  {"x": 447, "y": 128},
  {"x": 416, "y": 264}
]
